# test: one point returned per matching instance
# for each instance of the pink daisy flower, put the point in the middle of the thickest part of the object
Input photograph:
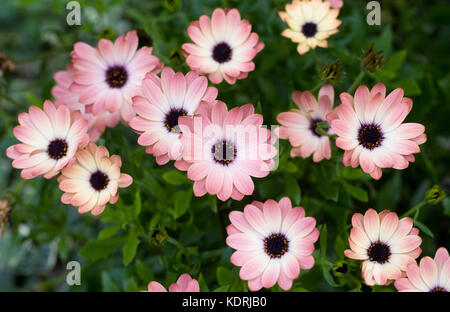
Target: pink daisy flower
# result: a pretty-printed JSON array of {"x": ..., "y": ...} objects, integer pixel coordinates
[
  {"x": 109, "y": 75},
  {"x": 299, "y": 125},
  {"x": 49, "y": 140},
  {"x": 273, "y": 241},
  {"x": 385, "y": 244},
  {"x": 432, "y": 275},
  {"x": 93, "y": 180},
  {"x": 224, "y": 46},
  {"x": 163, "y": 102},
  {"x": 185, "y": 283},
  {"x": 223, "y": 149},
  {"x": 370, "y": 129},
  {"x": 63, "y": 96}
]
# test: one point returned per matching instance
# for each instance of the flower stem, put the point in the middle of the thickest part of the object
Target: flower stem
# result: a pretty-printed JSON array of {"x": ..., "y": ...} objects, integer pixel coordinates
[
  {"x": 414, "y": 209},
  {"x": 356, "y": 82}
]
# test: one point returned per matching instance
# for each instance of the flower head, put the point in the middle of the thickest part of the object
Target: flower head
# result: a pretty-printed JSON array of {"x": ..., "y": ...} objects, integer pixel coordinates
[
  {"x": 299, "y": 125},
  {"x": 273, "y": 241},
  {"x": 432, "y": 275},
  {"x": 109, "y": 75},
  {"x": 63, "y": 96},
  {"x": 185, "y": 283},
  {"x": 93, "y": 180},
  {"x": 223, "y": 149},
  {"x": 224, "y": 46},
  {"x": 385, "y": 244},
  {"x": 310, "y": 23},
  {"x": 163, "y": 101},
  {"x": 50, "y": 139},
  {"x": 370, "y": 129}
]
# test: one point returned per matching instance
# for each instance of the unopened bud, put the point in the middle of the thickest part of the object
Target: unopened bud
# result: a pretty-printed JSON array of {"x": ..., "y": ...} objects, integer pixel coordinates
[
  {"x": 435, "y": 195},
  {"x": 331, "y": 72}
]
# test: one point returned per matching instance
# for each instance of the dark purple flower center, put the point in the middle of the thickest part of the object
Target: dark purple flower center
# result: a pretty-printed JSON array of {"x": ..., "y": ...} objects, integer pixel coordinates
[
  {"x": 116, "y": 76},
  {"x": 171, "y": 121},
  {"x": 379, "y": 252},
  {"x": 99, "y": 181},
  {"x": 222, "y": 52},
  {"x": 224, "y": 152},
  {"x": 309, "y": 29},
  {"x": 370, "y": 136},
  {"x": 57, "y": 149},
  {"x": 276, "y": 245}
]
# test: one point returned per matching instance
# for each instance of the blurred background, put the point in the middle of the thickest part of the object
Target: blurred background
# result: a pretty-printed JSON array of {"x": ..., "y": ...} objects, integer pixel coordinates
[{"x": 158, "y": 230}]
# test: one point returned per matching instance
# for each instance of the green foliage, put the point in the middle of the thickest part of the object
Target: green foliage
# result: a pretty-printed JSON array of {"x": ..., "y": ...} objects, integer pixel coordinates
[{"x": 158, "y": 229}]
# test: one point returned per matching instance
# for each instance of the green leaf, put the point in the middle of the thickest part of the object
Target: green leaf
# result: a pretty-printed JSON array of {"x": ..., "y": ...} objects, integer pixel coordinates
[
  {"x": 327, "y": 276},
  {"x": 224, "y": 276},
  {"x": 109, "y": 231},
  {"x": 293, "y": 189},
  {"x": 174, "y": 177},
  {"x": 384, "y": 42},
  {"x": 410, "y": 86},
  {"x": 131, "y": 285},
  {"x": 350, "y": 173},
  {"x": 202, "y": 283},
  {"x": 423, "y": 228},
  {"x": 222, "y": 288},
  {"x": 390, "y": 69},
  {"x": 212, "y": 201},
  {"x": 130, "y": 247},
  {"x": 108, "y": 283},
  {"x": 329, "y": 191},
  {"x": 33, "y": 100},
  {"x": 100, "y": 248},
  {"x": 182, "y": 202},
  {"x": 356, "y": 192},
  {"x": 446, "y": 204},
  {"x": 137, "y": 203},
  {"x": 390, "y": 192},
  {"x": 143, "y": 271}
]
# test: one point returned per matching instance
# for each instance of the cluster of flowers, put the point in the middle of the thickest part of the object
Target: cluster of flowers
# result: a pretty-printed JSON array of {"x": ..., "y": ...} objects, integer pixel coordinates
[{"x": 178, "y": 117}]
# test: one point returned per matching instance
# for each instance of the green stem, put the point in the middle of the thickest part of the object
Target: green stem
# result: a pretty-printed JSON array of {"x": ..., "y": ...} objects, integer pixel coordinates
[
  {"x": 414, "y": 209},
  {"x": 316, "y": 87},
  {"x": 356, "y": 82}
]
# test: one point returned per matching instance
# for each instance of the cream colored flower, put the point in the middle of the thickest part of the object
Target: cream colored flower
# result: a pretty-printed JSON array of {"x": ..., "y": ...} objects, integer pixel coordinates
[{"x": 310, "y": 23}]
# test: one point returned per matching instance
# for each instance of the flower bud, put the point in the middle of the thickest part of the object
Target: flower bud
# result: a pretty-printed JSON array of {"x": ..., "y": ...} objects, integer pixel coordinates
[
  {"x": 331, "y": 72},
  {"x": 435, "y": 195}
]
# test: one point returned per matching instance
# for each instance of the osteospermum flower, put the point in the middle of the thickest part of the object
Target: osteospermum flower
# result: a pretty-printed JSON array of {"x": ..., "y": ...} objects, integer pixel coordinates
[
  {"x": 273, "y": 241},
  {"x": 93, "y": 180},
  {"x": 385, "y": 244},
  {"x": 370, "y": 129},
  {"x": 50, "y": 139},
  {"x": 224, "y": 46},
  {"x": 109, "y": 75},
  {"x": 185, "y": 283},
  {"x": 432, "y": 275},
  {"x": 299, "y": 125},
  {"x": 165, "y": 100},
  {"x": 310, "y": 23},
  {"x": 63, "y": 96},
  {"x": 223, "y": 149}
]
